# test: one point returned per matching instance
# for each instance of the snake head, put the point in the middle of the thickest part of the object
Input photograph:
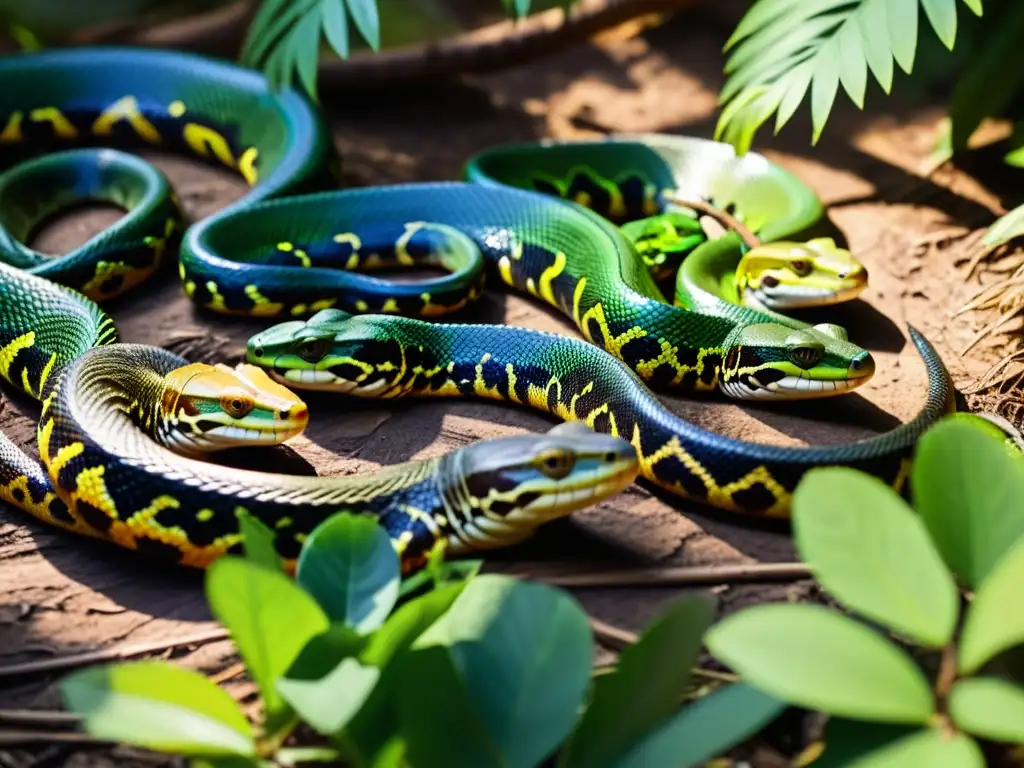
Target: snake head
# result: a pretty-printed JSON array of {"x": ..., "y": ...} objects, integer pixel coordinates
[
  {"x": 215, "y": 407},
  {"x": 769, "y": 361},
  {"x": 519, "y": 482},
  {"x": 786, "y": 275},
  {"x": 332, "y": 350}
]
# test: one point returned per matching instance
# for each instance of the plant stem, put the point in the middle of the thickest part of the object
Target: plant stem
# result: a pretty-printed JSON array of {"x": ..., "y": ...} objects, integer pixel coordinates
[{"x": 946, "y": 677}]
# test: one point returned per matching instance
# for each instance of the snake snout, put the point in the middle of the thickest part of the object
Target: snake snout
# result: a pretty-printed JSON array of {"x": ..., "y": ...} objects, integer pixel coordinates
[{"x": 862, "y": 366}]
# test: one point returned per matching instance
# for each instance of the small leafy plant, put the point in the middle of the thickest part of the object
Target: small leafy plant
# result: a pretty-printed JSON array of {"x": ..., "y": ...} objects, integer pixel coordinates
[
  {"x": 944, "y": 579},
  {"x": 474, "y": 672}
]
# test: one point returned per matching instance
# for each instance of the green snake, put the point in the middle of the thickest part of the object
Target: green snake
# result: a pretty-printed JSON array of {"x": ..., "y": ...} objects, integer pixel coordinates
[
  {"x": 284, "y": 251},
  {"x": 123, "y": 428}
]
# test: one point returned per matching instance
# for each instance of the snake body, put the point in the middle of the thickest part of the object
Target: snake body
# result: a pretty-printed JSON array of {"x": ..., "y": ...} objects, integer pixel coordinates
[{"x": 122, "y": 425}]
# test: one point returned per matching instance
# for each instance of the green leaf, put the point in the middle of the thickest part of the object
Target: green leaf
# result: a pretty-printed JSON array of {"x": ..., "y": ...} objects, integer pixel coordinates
[
  {"x": 704, "y": 729},
  {"x": 854, "y": 744},
  {"x": 989, "y": 707},
  {"x": 1005, "y": 228},
  {"x": 873, "y": 26},
  {"x": 326, "y": 651},
  {"x": 992, "y": 76},
  {"x": 269, "y": 617},
  {"x": 993, "y": 624},
  {"x": 365, "y": 17},
  {"x": 371, "y": 728},
  {"x": 813, "y": 657},
  {"x": 967, "y": 489},
  {"x": 158, "y": 706},
  {"x": 645, "y": 689},
  {"x": 903, "y": 32},
  {"x": 258, "y": 541},
  {"x": 521, "y": 652},
  {"x": 839, "y": 40},
  {"x": 335, "y": 24},
  {"x": 871, "y": 552},
  {"x": 942, "y": 15},
  {"x": 328, "y": 704},
  {"x": 274, "y": 37},
  {"x": 853, "y": 67},
  {"x": 349, "y": 565},
  {"x": 306, "y": 38}
]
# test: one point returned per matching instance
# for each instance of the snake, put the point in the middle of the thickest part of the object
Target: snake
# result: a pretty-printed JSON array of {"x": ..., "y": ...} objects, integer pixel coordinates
[
  {"x": 636, "y": 181},
  {"x": 125, "y": 429}
]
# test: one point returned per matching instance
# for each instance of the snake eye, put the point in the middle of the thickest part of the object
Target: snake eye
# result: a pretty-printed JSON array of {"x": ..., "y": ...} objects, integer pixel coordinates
[
  {"x": 236, "y": 406},
  {"x": 806, "y": 356},
  {"x": 801, "y": 267},
  {"x": 312, "y": 350},
  {"x": 556, "y": 465}
]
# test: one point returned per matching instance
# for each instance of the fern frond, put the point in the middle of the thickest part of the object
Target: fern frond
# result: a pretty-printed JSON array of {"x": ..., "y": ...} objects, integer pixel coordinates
[
  {"x": 284, "y": 36},
  {"x": 783, "y": 48}
]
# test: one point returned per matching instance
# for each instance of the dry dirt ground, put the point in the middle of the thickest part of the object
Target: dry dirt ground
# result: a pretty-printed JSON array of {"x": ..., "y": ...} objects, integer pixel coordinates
[{"x": 62, "y": 595}]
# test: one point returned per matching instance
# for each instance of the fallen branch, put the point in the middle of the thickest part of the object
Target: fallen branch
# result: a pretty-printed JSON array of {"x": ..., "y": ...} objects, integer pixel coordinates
[
  {"x": 682, "y": 576},
  {"x": 72, "y": 661}
]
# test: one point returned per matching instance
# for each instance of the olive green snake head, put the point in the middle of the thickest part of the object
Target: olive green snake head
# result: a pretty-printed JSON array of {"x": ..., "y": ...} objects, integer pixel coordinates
[
  {"x": 365, "y": 355},
  {"x": 778, "y": 276},
  {"x": 785, "y": 275},
  {"x": 207, "y": 408},
  {"x": 520, "y": 482}
]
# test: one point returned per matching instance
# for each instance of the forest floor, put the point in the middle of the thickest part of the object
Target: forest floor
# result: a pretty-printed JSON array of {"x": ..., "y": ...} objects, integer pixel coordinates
[{"x": 65, "y": 595}]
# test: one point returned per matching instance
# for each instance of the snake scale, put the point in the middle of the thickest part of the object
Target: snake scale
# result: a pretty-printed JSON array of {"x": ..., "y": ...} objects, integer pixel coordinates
[{"x": 290, "y": 249}]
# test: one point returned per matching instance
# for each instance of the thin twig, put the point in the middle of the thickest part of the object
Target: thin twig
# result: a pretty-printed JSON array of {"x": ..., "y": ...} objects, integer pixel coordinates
[
  {"x": 38, "y": 717},
  {"x": 725, "y": 219},
  {"x": 8, "y": 738},
  {"x": 62, "y": 663},
  {"x": 612, "y": 636},
  {"x": 713, "y": 574}
]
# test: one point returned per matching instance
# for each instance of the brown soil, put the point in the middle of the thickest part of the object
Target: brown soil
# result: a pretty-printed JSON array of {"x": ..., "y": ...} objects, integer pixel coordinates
[{"x": 62, "y": 594}]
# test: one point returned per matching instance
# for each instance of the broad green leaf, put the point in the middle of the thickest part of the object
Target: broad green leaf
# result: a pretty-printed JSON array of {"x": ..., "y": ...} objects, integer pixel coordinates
[
  {"x": 375, "y": 723},
  {"x": 974, "y": 5},
  {"x": 992, "y": 76},
  {"x": 365, "y": 17},
  {"x": 967, "y": 490},
  {"x": 645, "y": 689},
  {"x": 993, "y": 624},
  {"x": 446, "y": 731},
  {"x": 855, "y": 744},
  {"x": 328, "y": 704},
  {"x": 158, "y": 706},
  {"x": 902, "y": 16},
  {"x": 258, "y": 541},
  {"x": 813, "y": 657},
  {"x": 823, "y": 89},
  {"x": 522, "y": 651},
  {"x": 871, "y": 552},
  {"x": 326, "y": 651},
  {"x": 988, "y": 707},
  {"x": 704, "y": 729},
  {"x": 942, "y": 15},
  {"x": 269, "y": 617},
  {"x": 350, "y": 566},
  {"x": 1005, "y": 228},
  {"x": 335, "y": 24}
]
